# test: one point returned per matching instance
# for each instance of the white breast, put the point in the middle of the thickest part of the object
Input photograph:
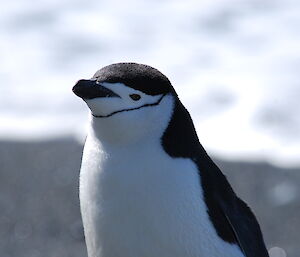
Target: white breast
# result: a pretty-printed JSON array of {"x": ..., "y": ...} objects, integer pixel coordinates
[{"x": 137, "y": 201}]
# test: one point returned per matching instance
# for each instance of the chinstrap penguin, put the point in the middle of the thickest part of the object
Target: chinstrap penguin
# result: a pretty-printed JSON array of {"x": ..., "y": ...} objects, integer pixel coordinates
[{"x": 147, "y": 186}]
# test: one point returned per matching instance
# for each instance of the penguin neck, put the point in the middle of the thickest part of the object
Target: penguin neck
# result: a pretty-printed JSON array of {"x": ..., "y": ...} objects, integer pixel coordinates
[
  {"x": 107, "y": 132},
  {"x": 180, "y": 138},
  {"x": 121, "y": 146}
]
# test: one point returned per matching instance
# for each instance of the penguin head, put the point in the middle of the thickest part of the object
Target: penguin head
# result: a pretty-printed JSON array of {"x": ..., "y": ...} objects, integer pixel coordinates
[{"x": 128, "y": 100}]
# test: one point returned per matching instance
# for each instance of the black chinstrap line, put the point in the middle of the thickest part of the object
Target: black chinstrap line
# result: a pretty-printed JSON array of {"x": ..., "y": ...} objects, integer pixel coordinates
[{"x": 132, "y": 109}]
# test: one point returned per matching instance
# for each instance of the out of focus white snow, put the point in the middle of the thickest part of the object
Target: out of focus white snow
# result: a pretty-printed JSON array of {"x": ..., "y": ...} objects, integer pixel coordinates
[{"x": 234, "y": 63}]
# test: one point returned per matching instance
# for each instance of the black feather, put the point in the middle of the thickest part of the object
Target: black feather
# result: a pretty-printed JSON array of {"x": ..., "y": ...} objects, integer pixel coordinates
[{"x": 231, "y": 217}]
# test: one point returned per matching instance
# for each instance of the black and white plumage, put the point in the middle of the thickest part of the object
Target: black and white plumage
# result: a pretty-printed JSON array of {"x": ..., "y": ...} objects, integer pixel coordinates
[{"x": 147, "y": 186}]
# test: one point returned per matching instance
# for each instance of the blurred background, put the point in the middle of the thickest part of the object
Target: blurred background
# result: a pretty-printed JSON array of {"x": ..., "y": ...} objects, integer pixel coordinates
[{"x": 234, "y": 63}]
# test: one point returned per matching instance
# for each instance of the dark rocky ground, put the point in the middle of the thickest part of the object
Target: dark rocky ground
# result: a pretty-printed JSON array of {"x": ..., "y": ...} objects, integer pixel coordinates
[{"x": 39, "y": 207}]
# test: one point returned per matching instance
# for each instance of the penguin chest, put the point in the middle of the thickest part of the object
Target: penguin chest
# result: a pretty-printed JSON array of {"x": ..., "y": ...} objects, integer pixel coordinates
[{"x": 143, "y": 203}]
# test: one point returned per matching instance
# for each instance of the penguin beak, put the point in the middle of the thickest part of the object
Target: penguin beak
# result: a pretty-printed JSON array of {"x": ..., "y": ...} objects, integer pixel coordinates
[{"x": 90, "y": 89}]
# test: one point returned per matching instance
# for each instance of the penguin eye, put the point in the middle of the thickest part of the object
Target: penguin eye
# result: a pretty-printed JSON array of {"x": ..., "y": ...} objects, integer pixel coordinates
[{"x": 135, "y": 97}]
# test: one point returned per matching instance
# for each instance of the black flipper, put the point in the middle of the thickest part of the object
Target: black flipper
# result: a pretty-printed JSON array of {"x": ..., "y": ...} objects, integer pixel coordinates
[{"x": 245, "y": 228}]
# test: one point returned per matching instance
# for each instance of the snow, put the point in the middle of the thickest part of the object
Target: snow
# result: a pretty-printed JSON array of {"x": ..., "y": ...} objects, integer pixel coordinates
[{"x": 234, "y": 63}]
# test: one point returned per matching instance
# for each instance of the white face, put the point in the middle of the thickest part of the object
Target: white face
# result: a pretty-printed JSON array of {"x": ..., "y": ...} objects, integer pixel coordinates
[
  {"x": 123, "y": 119},
  {"x": 108, "y": 106}
]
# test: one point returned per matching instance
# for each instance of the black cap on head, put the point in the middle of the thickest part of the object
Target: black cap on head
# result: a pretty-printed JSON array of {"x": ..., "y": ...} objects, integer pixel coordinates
[{"x": 137, "y": 76}]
